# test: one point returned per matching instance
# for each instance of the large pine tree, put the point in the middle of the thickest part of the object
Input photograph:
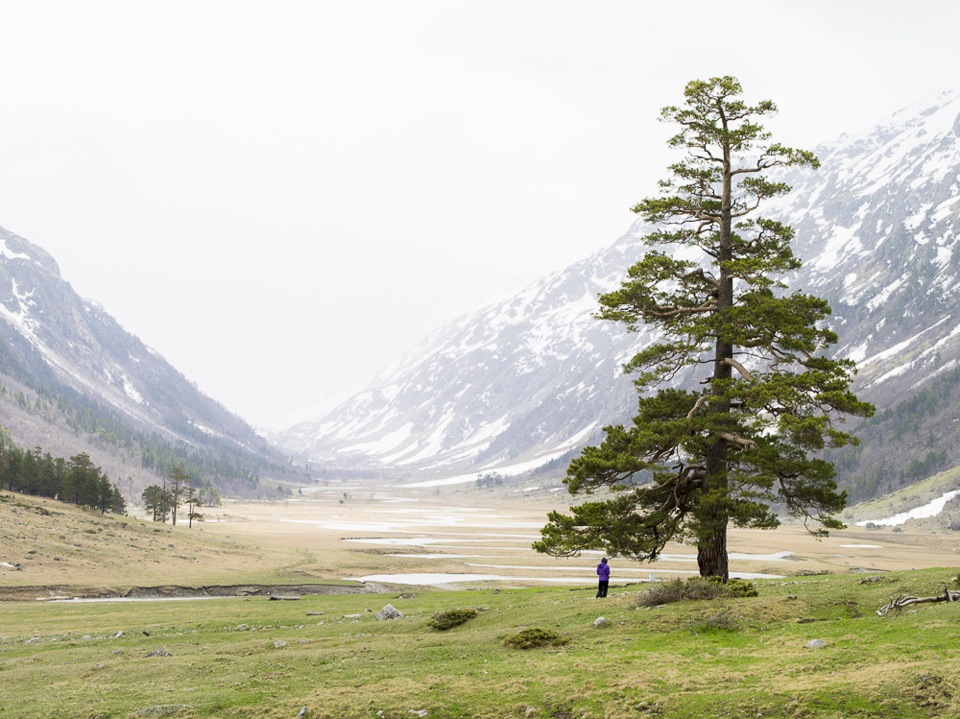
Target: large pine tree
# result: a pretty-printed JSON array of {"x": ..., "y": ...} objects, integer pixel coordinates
[{"x": 744, "y": 444}]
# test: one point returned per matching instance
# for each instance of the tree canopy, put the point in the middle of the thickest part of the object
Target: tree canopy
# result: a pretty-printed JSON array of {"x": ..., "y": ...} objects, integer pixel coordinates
[
  {"x": 76, "y": 481},
  {"x": 743, "y": 445}
]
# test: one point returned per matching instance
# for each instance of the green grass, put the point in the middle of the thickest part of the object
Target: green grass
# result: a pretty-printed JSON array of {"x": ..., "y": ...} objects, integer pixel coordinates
[{"x": 743, "y": 657}]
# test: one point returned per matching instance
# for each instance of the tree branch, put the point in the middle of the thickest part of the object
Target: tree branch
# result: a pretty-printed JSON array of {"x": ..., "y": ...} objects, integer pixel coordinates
[
  {"x": 739, "y": 441},
  {"x": 671, "y": 312},
  {"x": 729, "y": 361},
  {"x": 898, "y": 603},
  {"x": 699, "y": 403}
]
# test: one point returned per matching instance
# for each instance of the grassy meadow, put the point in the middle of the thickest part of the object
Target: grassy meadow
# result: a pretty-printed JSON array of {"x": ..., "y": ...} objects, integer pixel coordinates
[{"x": 328, "y": 655}]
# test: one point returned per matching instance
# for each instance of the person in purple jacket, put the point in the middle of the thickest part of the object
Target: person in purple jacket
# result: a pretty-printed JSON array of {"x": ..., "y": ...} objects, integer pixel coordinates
[{"x": 603, "y": 571}]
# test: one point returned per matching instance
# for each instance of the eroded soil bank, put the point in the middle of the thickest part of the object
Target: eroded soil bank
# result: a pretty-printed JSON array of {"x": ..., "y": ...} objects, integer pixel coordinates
[{"x": 172, "y": 591}]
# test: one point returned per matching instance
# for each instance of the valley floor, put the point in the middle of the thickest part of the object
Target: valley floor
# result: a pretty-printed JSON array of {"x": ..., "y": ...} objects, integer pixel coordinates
[
  {"x": 467, "y": 538},
  {"x": 365, "y": 538}
]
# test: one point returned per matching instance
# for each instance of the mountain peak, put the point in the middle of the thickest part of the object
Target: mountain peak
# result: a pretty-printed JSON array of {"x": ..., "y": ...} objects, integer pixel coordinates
[
  {"x": 14, "y": 248},
  {"x": 536, "y": 375}
]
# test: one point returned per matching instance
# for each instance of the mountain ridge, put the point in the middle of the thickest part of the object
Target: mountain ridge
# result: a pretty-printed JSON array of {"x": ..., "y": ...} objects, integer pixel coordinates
[
  {"x": 535, "y": 376},
  {"x": 72, "y": 379}
]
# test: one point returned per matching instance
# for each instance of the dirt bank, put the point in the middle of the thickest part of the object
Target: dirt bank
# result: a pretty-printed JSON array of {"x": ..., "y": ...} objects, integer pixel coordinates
[{"x": 172, "y": 591}]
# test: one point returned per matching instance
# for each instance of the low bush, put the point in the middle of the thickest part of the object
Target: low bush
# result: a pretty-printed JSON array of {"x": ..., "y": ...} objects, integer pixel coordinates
[
  {"x": 442, "y": 621},
  {"x": 678, "y": 590},
  {"x": 741, "y": 588}
]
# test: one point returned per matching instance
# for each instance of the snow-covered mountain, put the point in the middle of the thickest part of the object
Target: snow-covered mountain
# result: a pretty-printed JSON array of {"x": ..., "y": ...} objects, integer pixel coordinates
[
  {"x": 879, "y": 228},
  {"x": 528, "y": 378},
  {"x": 73, "y": 380},
  {"x": 536, "y": 376}
]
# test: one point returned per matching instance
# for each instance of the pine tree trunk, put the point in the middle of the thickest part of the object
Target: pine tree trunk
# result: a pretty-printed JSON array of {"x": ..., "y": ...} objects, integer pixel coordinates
[
  {"x": 712, "y": 536},
  {"x": 712, "y": 552}
]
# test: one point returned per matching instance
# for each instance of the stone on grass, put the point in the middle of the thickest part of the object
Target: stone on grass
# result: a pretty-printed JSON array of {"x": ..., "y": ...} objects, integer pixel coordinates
[
  {"x": 389, "y": 612},
  {"x": 815, "y": 644}
]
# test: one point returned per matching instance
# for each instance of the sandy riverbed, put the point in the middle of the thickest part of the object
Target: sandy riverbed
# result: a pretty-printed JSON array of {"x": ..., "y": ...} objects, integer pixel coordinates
[{"x": 412, "y": 536}]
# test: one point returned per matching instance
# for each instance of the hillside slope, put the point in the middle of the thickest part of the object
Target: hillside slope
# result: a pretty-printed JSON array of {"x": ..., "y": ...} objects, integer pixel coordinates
[{"x": 72, "y": 380}]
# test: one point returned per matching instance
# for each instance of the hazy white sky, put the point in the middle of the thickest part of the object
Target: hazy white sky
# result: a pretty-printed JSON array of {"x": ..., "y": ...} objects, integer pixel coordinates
[{"x": 280, "y": 197}]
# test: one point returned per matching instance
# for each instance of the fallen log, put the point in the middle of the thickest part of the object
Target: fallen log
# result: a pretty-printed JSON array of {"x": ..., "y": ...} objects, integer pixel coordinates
[{"x": 901, "y": 601}]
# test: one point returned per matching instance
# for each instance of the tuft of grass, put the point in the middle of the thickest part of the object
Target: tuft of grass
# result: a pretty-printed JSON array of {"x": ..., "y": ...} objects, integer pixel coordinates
[
  {"x": 443, "y": 621},
  {"x": 722, "y": 621},
  {"x": 534, "y": 638}
]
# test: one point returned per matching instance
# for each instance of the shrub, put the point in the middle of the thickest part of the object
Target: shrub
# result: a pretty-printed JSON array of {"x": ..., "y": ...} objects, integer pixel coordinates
[
  {"x": 694, "y": 588},
  {"x": 740, "y": 588},
  {"x": 534, "y": 637},
  {"x": 442, "y": 621}
]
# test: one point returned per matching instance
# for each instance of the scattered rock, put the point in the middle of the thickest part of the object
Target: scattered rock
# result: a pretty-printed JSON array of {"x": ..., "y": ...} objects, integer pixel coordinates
[
  {"x": 159, "y": 653},
  {"x": 601, "y": 622},
  {"x": 351, "y": 616},
  {"x": 815, "y": 644},
  {"x": 389, "y": 612},
  {"x": 279, "y": 644},
  {"x": 304, "y": 713},
  {"x": 118, "y": 634}
]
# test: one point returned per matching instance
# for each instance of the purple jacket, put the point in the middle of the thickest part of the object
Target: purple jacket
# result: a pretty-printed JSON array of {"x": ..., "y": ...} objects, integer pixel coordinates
[{"x": 603, "y": 571}]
